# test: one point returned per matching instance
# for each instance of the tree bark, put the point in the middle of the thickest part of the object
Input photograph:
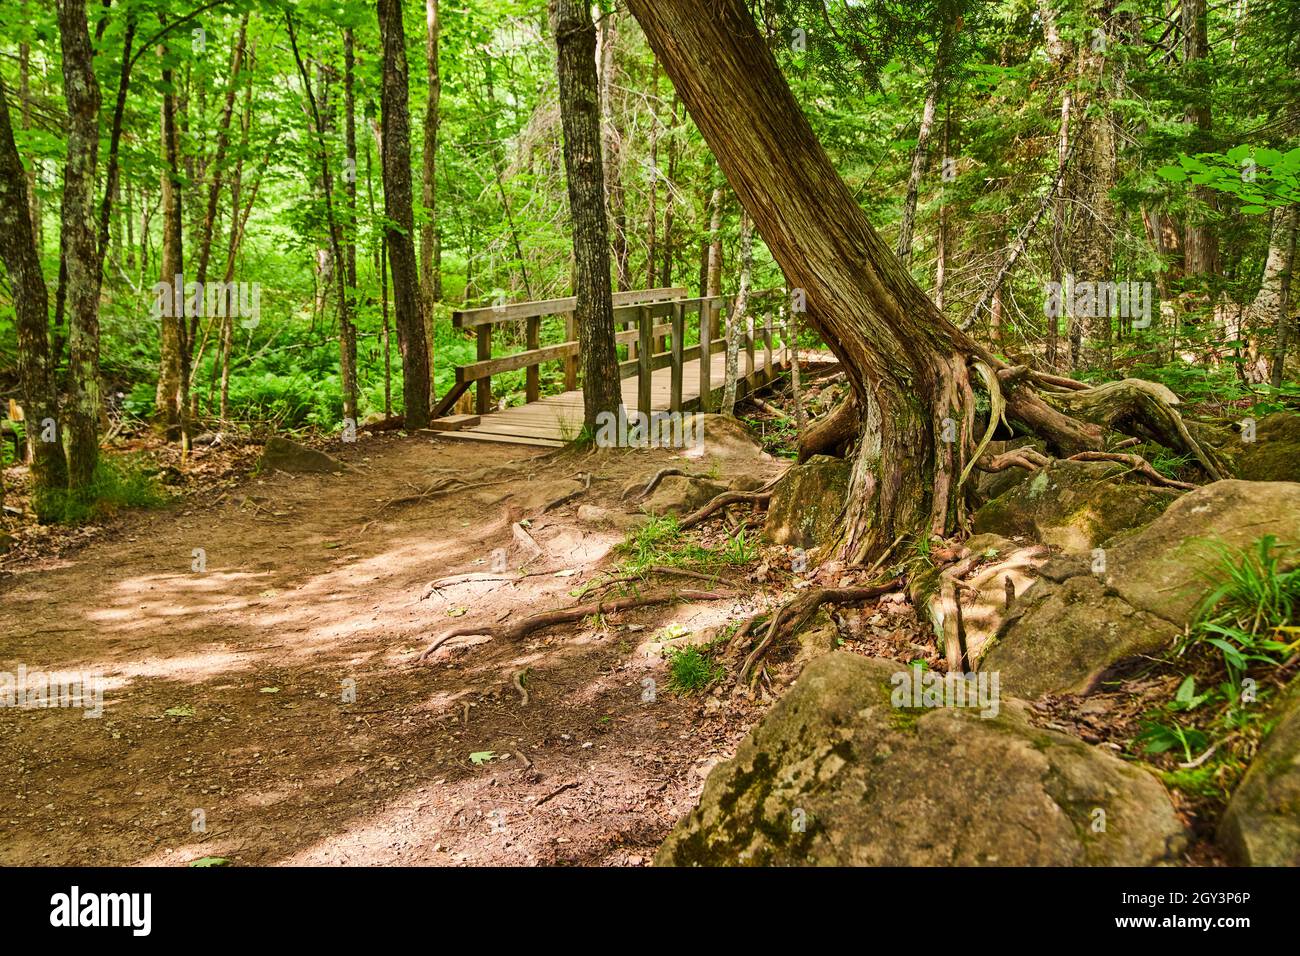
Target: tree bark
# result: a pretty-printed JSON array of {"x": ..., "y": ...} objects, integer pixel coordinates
[
  {"x": 399, "y": 229},
  {"x": 81, "y": 91},
  {"x": 31, "y": 303},
  {"x": 575, "y": 41},
  {"x": 1200, "y": 249}
]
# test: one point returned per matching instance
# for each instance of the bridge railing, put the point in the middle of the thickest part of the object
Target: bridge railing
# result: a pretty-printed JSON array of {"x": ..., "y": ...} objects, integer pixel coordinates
[{"x": 653, "y": 328}]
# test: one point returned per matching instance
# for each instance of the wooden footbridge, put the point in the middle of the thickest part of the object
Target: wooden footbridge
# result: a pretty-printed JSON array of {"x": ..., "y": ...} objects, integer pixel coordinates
[{"x": 659, "y": 370}]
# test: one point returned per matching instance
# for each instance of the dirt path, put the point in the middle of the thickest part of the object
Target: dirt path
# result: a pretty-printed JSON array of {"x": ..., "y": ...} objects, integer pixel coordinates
[{"x": 226, "y": 689}]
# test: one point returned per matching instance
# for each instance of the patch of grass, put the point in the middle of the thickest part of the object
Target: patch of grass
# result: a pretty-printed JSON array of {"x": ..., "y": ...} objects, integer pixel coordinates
[
  {"x": 119, "y": 483},
  {"x": 690, "y": 671},
  {"x": 661, "y": 542}
]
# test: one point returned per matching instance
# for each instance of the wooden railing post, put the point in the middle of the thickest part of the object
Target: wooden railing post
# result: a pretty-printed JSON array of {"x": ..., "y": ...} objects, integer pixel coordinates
[
  {"x": 570, "y": 363},
  {"x": 532, "y": 389},
  {"x": 768, "y": 373},
  {"x": 679, "y": 329},
  {"x": 644, "y": 352},
  {"x": 706, "y": 355},
  {"x": 483, "y": 401},
  {"x": 749, "y": 350}
]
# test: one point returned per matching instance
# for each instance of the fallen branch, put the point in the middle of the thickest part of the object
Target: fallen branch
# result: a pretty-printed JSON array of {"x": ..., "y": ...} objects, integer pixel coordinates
[{"x": 522, "y": 628}]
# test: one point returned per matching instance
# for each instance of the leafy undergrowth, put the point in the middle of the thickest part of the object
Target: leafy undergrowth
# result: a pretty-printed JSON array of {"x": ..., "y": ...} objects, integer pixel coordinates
[{"x": 119, "y": 483}]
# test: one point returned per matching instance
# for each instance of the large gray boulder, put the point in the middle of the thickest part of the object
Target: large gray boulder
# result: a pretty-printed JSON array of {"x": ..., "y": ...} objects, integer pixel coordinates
[
  {"x": 1261, "y": 826},
  {"x": 1075, "y": 622},
  {"x": 836, "y": 775}
]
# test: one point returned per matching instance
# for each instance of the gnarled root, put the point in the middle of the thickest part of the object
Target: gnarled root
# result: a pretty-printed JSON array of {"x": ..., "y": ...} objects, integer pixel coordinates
[
  {"x": 795, "y": 613},
  {"x": 1135, "y": 406},
  {"x": 522, "y": 628}
]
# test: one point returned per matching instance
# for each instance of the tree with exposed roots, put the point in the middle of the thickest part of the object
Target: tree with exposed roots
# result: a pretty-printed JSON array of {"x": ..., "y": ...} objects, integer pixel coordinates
[{"x": 914, "y": 374}]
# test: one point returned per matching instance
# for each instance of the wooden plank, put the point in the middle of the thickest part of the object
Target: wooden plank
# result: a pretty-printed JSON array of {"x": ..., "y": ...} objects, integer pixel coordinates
[
  {"x": 448, "y": 400},
  {"x": 454, "y": 423},
  {"x": 508, "y": 363}
]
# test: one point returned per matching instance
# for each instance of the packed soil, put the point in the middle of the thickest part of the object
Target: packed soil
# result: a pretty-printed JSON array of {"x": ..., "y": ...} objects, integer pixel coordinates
[{"x": 271, "y": 707}]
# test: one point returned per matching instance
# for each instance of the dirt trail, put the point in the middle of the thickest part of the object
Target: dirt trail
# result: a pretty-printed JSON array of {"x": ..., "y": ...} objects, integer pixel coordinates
[{"x": 225, "y": 693}]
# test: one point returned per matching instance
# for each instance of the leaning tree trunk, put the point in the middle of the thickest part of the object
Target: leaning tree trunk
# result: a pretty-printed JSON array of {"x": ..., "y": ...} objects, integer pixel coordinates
[
  {"x": 399, "y": 229},
  {"x": 81, "y": 91},
  {"x": 907, "y": 364},
  {"x": 18, "y": 250},
  {"x": 575, "y": 41}
]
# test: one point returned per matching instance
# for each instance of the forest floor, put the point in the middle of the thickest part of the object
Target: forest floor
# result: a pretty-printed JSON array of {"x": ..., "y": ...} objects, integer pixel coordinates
[{"x": 226, "y": 689}]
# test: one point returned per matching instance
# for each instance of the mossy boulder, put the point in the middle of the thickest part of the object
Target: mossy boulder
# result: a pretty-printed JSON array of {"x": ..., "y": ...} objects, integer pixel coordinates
[
  {"x": 1072, "y": 505},
  {"x": 281, "y": 454},
  {"x": 807, "y": 502},
  {"x": 1274, "y": 455},
  {"x": 836, "y": 775},
  {"x": 1261, "y": 826}
]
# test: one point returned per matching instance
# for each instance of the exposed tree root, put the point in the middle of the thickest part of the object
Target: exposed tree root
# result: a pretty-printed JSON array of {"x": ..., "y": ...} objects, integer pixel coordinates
[
  {"x": 1134, "y": 406},
  {"x": 525, "y": 626},
  {"x": 659, "y": 476},
  {"x": 1031, "y": 460},
  {"x": 832, "y": 430},
  {"x": 792, "y": 615}
]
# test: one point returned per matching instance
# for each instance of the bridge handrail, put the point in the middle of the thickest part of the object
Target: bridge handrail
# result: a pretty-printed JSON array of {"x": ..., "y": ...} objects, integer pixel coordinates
[{"x": 645, "y": 340}]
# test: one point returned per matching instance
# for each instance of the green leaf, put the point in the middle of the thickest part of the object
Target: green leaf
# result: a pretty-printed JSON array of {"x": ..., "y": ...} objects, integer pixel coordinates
[
  {"x": 481, "y": 757},
  {"x": 210, "y": 861}
]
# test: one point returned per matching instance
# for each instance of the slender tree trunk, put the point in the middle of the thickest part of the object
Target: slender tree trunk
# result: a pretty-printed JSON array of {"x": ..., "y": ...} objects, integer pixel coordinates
[
  {"x": 430, "y": 273},
  {"x": 1284, "y": 322},
  {"x": 615, "y": 198},
  {"x": 81, "y": 91},
  {"x": 399, "y": 229},
  {"x": 674, "y": 151},
  {"x": 738, "y": 318},
  {"x": 167, "y": 400},
  {"x": 1200, "y": 248},
  {"x": 347, "y": 337},
  {"x": 575, "y": 41},
  {"x": 920, "y": 155},
  {"x": 652, "y": 209},
  {"x": 31, "y": 304}
]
